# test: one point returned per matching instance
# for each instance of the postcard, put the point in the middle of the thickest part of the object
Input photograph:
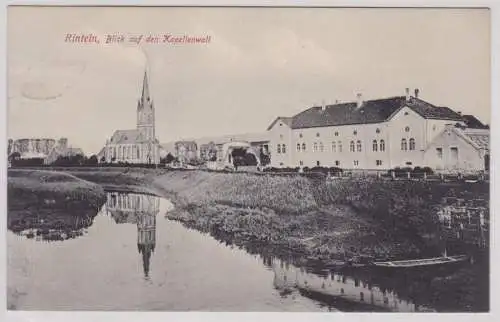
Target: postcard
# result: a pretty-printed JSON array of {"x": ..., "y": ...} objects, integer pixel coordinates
[{"x": 248, "y": 159}]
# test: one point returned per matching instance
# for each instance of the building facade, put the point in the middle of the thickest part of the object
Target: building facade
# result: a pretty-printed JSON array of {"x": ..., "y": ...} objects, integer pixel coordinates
[
  {"x": 138, "y": 145},
  {"x": 42, "y": 148},
  {"x": 376, "y": 134}
]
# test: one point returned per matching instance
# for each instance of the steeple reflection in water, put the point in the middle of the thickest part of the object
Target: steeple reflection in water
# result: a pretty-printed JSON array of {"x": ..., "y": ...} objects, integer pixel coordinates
[{"x": 141, "y": 210}]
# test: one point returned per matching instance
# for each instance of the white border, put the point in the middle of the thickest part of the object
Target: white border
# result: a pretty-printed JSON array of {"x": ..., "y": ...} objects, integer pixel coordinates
[{"x": 146, "y": 316}]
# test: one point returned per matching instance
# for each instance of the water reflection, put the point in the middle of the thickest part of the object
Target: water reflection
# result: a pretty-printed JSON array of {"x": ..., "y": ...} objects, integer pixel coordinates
[
  {"x": 140, "y": 210},
  {"x": 56, "y": 224},
  {"x": 337, "y": 289}
]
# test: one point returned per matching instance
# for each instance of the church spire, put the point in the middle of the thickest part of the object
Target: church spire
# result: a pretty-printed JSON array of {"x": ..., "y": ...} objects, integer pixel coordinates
[{"x": 145, "y": 88}]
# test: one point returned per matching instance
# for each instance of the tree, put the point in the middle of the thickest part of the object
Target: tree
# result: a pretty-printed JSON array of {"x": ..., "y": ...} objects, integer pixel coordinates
[
  {"x": 92, "y": 160},
  {"x": 103, "y": 159},
  {"x": 169, "y": 158}
]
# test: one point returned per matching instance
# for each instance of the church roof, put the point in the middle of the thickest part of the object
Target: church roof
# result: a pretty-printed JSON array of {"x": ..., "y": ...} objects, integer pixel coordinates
[{"x": 372, "y": 111}]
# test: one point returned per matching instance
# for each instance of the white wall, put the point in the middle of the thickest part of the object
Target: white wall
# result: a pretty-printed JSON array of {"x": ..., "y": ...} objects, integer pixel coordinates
[{"x": 469, "y": 158}]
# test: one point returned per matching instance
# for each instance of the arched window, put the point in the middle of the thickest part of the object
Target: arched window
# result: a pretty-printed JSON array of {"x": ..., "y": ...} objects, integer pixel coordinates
[
  {"x": 377, "y": 131},
  {"x": 382, "y": 145},
  {"x": 138, "y": 153},
  {"x": 317, "y": 134},
  {"x": 315, "y": 147},
  {"x": 303, "y": 147},
  {"x": 114, "y": 152},
  {"x": 351, "y": 146},
  {"x": 375, "y": 145},
  {"x": 300, "y": 135},
  {"x": 298, "y": 147},
  {"x": 283, "y": 148},
  {"x": 334, "y": 147},
  {"x": 279, "y": 148},
  {"x": 321, "y": 148},
  {"x": 412, "y": 144},
  {"x": 407, "y": 129},
  {"x": 355, "y": 132},
  {"x": 404, "y": 145},
  {"x": 339, "y": 143},
  {"x": 336, "y": 133},
  {"x": 358, "y": 145}
]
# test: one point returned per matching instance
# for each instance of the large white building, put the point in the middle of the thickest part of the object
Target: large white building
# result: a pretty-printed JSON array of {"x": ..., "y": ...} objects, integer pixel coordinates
[
  {"x": 138, "y": 145},
  {"x": 379, "y": 134}
]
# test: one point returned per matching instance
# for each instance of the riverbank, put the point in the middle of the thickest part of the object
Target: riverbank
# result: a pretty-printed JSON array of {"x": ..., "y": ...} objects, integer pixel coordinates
[
  {"x": 296, "y": 217},
  {"x": 43, "y": 201}
]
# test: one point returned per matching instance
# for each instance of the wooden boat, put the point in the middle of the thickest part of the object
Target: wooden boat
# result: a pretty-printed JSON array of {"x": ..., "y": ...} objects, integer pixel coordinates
[{"x": 422, "y": 262}]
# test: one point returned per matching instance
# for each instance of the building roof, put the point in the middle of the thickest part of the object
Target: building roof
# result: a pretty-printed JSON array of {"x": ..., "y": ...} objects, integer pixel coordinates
[
  {"x": 472, "y": 122},
  {"x": 286, "y": 120},
  {"x": 372, "y": 111},
  {"x": 480, "y": 137},
  {"x": 128, "y": 137}
]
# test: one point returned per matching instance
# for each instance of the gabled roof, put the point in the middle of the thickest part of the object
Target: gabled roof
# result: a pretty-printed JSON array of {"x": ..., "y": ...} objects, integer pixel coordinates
[
  {"x": 286, "y": 120},
  {"x": 372, "y": 111},
  {"x": 472, "y": 122},
  {"x": 480, "y": 137}
]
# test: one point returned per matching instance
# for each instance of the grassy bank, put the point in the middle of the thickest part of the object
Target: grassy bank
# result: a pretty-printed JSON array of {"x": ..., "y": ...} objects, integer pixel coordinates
[
  {"x": 51, "y": 203},
  {"x": 310, "y": 220}
]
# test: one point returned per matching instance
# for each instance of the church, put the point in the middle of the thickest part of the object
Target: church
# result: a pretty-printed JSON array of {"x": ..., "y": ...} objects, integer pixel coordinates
[{"x": 138, "y": 145}]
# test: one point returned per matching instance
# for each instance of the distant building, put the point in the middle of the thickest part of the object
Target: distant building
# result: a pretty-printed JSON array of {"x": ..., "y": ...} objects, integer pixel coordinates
[
  {"x": 375, "y": 134},
  {"x": 186, "y": 151},
  {"x": 138, "y": 145},
  {"x": 42, "y": 148}
]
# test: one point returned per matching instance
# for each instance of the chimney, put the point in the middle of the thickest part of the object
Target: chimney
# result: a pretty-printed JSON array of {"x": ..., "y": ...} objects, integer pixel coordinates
[
  {"x": 360, "y": 99},
  {"x": 417, "y": 91},
  {"x": 407, "y": 91}
]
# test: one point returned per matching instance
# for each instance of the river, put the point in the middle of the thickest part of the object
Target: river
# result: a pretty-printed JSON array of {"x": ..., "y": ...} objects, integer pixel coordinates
[{"x": 130, "y": 257}]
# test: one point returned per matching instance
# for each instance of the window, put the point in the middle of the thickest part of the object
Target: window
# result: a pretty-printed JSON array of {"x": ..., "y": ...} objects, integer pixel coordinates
[
  {"x": 315, "y": 147},
  {"x": 358, "y": 145},
  {"x": 382, "y": 145},
  {"x": 407, "y": 129},
  {"x": 339, "y": 143},
  {"x": 318, "y": 163},
  {"x": 409, "y": 163},
  {"x": 412, "y": 144},
  {"x": 301, "y": 162},
  {"x": 377, "y": 131},
  {"x": 281, "y": 124},
  {"x": 283, "y": 148},
  {"x": 300, "y": 135},
  {"x": 303, "y": 147},
  {"x": 279, "y": 148},
  {"x": 378, "y": 162},
  {"x": 321, "y": 148},
  {"x": 317, "y": 135},
  {"x": 351, "y": 146},
  {"x": 375, "y": 145},
  {"x": 281, "y": 136},
  {"x": 406, "y": 113},
  {"x": 439, "y": 152},
  {"x": 356, "y": 163},
  {"x": 355, "y": 132},
  {"x": 336, "y": 133},
  {"x": 404, "y": 146},
  {"x": 337, "y": 163},
  {"x": 434, "y": 127},
  {"x": 138, "y": 153},
  {"x": 298, "y": 147},
  {"x": 334, "y": 147}
]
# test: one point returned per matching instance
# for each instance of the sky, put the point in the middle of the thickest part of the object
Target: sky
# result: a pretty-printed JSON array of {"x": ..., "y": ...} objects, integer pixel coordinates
[{"x": 260, "y": 63}]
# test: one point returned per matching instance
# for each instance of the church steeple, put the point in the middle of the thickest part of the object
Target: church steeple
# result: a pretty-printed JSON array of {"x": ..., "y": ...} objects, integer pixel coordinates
[{"x": 145, "y": 98}]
